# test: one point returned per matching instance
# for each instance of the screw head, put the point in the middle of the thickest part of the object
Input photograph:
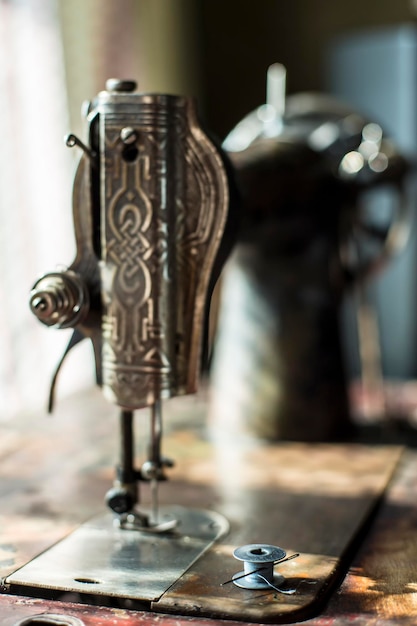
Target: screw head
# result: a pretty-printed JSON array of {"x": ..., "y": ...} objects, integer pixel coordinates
[
  {"x": 128, "y": 135},
  {"x": 120, "y": 500}
]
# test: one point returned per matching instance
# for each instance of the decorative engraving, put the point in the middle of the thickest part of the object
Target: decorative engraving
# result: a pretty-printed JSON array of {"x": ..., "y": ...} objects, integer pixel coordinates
[{"x": 163, "y": 213}]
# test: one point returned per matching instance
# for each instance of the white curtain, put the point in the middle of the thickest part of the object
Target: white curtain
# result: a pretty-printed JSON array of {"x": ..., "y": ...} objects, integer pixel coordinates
[
  {"x": 53, "y": 55},
  {"x": 35, "y": 180}
]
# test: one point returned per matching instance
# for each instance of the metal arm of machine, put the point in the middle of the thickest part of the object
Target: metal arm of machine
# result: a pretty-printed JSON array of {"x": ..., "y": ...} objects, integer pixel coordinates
[{"x": 150, "y": 206}]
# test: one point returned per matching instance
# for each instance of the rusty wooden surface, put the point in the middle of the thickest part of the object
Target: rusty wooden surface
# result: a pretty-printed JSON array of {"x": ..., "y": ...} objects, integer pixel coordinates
[
  {"x": 381, "y": 586},
  {"x": 308, "y": 499},
  {"x": 54, "y": 472}
]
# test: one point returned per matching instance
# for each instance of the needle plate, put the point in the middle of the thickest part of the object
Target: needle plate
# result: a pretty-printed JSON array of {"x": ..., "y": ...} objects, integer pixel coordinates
[{"x": 102, "y": 559}]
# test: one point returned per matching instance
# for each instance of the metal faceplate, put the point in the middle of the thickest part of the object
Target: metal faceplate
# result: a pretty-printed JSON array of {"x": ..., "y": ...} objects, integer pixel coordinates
[
  {"x": 102, "y": 559},
  {"x": 164, "y": 203}
]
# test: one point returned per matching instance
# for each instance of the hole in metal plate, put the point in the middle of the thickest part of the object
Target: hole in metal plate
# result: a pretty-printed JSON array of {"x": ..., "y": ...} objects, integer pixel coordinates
[
  {"x": 49, "y": 619},
  {"x": 87, "y": 581}
]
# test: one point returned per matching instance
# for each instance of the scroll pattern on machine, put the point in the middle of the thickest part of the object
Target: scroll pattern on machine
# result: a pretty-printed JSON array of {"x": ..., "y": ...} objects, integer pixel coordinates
[{"x": 160, "y": 225}]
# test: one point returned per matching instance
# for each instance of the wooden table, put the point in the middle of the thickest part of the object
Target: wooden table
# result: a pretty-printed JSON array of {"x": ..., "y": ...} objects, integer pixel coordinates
[{"x": 55, "y": 471}]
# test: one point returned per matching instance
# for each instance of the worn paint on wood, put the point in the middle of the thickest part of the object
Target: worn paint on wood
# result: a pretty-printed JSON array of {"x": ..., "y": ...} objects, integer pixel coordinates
[
  {"x": 381, "y": 586},
  {"x": 56, "y": 472},
  {"x": 308, "y": 499}
]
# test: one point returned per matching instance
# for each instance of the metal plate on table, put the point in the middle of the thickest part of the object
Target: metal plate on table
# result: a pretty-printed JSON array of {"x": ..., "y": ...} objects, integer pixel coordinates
[{"x": 101, "y": 558}]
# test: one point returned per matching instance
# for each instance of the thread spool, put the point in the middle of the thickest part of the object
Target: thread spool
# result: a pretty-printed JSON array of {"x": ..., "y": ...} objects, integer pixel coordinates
[{"x": 258, "y": 566}]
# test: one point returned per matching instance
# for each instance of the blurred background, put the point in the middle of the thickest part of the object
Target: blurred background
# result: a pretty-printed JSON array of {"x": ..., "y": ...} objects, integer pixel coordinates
[{"x": 54, "y": 54}]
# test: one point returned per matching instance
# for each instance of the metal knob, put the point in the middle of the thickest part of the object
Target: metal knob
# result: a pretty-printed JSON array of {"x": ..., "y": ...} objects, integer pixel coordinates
[
  {"x": 60, "y": 299},
  {"x": 118, "y": 85}
]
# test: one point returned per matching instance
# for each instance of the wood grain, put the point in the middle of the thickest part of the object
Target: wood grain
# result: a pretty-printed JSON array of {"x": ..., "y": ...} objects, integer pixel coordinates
[{"x": 310, "y": 499}]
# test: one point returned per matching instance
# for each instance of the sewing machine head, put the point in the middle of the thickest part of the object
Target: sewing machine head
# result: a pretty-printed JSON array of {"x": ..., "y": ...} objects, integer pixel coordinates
[
  {"x": 150, "y": 208},
  {"x": 151, "y": 212}
]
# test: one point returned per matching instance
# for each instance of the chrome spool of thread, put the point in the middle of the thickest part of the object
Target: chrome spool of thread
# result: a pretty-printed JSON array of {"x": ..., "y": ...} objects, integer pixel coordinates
[{"x": 258, "y": 563}]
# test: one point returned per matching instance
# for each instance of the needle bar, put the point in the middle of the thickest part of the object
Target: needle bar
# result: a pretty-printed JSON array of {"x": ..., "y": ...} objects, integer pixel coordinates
[{"x": 155, "y": 455}]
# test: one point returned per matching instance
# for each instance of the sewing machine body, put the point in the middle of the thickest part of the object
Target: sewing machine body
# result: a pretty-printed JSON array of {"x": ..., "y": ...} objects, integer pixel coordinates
[{"x": 151, "y": 204}]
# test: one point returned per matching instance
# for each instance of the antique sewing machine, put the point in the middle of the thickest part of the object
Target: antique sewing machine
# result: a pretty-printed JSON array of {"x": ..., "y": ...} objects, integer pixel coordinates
[
  {"x": 154, "y": 224},
  {"x": 314, "y": 231}
]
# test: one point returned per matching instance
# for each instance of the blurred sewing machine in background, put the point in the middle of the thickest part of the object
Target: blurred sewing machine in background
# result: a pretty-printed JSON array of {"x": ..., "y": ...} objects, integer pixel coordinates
[
  {"x": 303, "y": 165},
  {"x": 155, "y": 213}
]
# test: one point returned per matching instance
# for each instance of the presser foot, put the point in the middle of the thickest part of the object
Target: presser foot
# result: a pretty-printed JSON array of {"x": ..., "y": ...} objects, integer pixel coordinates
[{"x": 142, "y": 523}]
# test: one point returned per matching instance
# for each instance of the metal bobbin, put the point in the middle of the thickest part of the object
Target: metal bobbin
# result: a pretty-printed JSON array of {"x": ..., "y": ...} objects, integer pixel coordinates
[{"x": 258, "y": 563}]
